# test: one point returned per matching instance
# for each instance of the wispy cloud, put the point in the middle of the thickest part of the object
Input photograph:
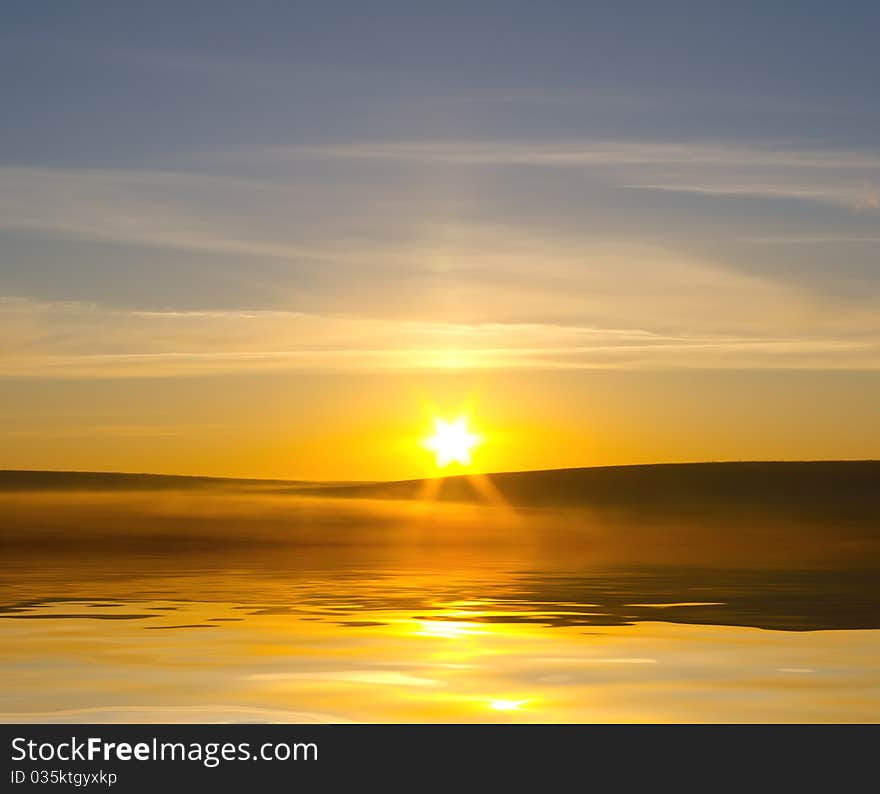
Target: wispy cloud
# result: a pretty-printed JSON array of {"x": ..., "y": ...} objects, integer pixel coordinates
[
  {"x": 83, "y": 340},
  {"x": 840, "y": 194},
  {"x": 583, "y": 152},
  {"x": 814, "y": 239},
  {"x": 870, "y": 197},
  {"x": 181, "y": 210},
  {"x": 835, "y": 176},
  {"x": 393, "y": 251},
  {"x": 353, "y": 250}
]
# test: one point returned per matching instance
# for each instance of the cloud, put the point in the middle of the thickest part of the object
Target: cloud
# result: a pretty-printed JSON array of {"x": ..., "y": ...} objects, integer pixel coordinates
[
  {"x": 814, "y": 239},
  {"x": 831, "y": 176},
  {"x": 870, "y": 198},
  {"x": 52, "y": 340},
  {"x": 179, "y": 210},
  {"x": 840, "y": 194},
  {"x": 396, "y": 252},
  {"x": 352, "y": 250},
  {"x": 583, "y": 152}
]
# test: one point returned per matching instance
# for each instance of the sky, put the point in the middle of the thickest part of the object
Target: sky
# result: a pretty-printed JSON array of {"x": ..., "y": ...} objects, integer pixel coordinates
[{"x": 277, "y": 239}]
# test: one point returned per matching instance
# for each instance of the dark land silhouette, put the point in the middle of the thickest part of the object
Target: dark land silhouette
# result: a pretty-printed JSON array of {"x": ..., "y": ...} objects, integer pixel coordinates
[
  {"x": 35, "y": 481},
  {"x": 842, "y": 490}
]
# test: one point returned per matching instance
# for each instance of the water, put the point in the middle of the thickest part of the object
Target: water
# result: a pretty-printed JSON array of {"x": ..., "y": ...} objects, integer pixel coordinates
[{"x": 429, "y": 634}]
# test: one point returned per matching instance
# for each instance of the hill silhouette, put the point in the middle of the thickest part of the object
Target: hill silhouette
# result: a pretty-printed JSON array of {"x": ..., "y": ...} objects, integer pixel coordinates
[
  {"x": 824, "y": 491},
  {"x": 36, "y": 480},
  {"x": 813, "y": 490}
]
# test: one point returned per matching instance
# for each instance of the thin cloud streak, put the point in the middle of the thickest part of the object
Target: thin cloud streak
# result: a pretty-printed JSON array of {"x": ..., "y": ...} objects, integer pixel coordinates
[
  {"x": 811, "y": 239},
  {"x": 585, "y": 152},
  {"x": 155, "y": 209},
  {"x": 71, "y": 340},
  {"x": 840, "y": 195},
  {"x": 330, "y": 252},
  {"x": 832, "y": 176}
]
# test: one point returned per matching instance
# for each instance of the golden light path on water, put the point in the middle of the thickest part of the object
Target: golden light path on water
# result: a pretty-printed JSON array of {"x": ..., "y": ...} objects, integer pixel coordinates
[
  {"x": 171, "y": 660},
  {"x": 235, "y": 607}
]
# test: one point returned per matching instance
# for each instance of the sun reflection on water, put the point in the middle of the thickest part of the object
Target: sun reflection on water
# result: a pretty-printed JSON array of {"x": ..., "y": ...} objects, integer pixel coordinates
[
  {"x": 407, "y": 648},
  {"x": 448, "y": 629}
]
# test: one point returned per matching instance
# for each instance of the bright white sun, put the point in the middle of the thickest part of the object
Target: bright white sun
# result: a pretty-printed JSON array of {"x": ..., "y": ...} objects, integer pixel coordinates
[
  {"x": 507, "y": 705},
  {"x": 452, "y": 442}
]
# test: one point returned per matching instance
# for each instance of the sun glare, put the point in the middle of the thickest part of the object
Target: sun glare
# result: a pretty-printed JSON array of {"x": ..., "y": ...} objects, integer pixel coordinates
[
  {"x": 452, "y": 442},
  {"x": 507, "y": 705}
]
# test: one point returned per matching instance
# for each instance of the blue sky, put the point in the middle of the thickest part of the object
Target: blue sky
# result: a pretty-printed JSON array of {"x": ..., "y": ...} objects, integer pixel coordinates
[{"x": 191, "y": 189}]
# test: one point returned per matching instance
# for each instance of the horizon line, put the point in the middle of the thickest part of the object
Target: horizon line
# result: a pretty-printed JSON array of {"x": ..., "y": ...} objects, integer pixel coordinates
[{"x": 457, "y": 475}]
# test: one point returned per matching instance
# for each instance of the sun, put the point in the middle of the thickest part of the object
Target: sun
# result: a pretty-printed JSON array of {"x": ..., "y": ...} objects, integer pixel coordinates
[
  {"x": 507, "y": 705},
  {"x": 452, "y": 442}
]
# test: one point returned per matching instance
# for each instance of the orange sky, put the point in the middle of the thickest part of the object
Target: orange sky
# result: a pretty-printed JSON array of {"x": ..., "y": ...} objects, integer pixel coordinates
[
  {"x": 368, "y": 426},
  {"x": 276, "y": 243}
]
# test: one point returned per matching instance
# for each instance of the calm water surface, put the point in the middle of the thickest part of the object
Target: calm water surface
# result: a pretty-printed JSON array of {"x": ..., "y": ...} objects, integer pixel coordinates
[{"x": 448, "y": 636}]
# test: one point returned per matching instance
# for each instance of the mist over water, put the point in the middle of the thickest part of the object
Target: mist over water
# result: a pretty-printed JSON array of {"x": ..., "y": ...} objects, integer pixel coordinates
[{"x": 229, "y": 606}]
